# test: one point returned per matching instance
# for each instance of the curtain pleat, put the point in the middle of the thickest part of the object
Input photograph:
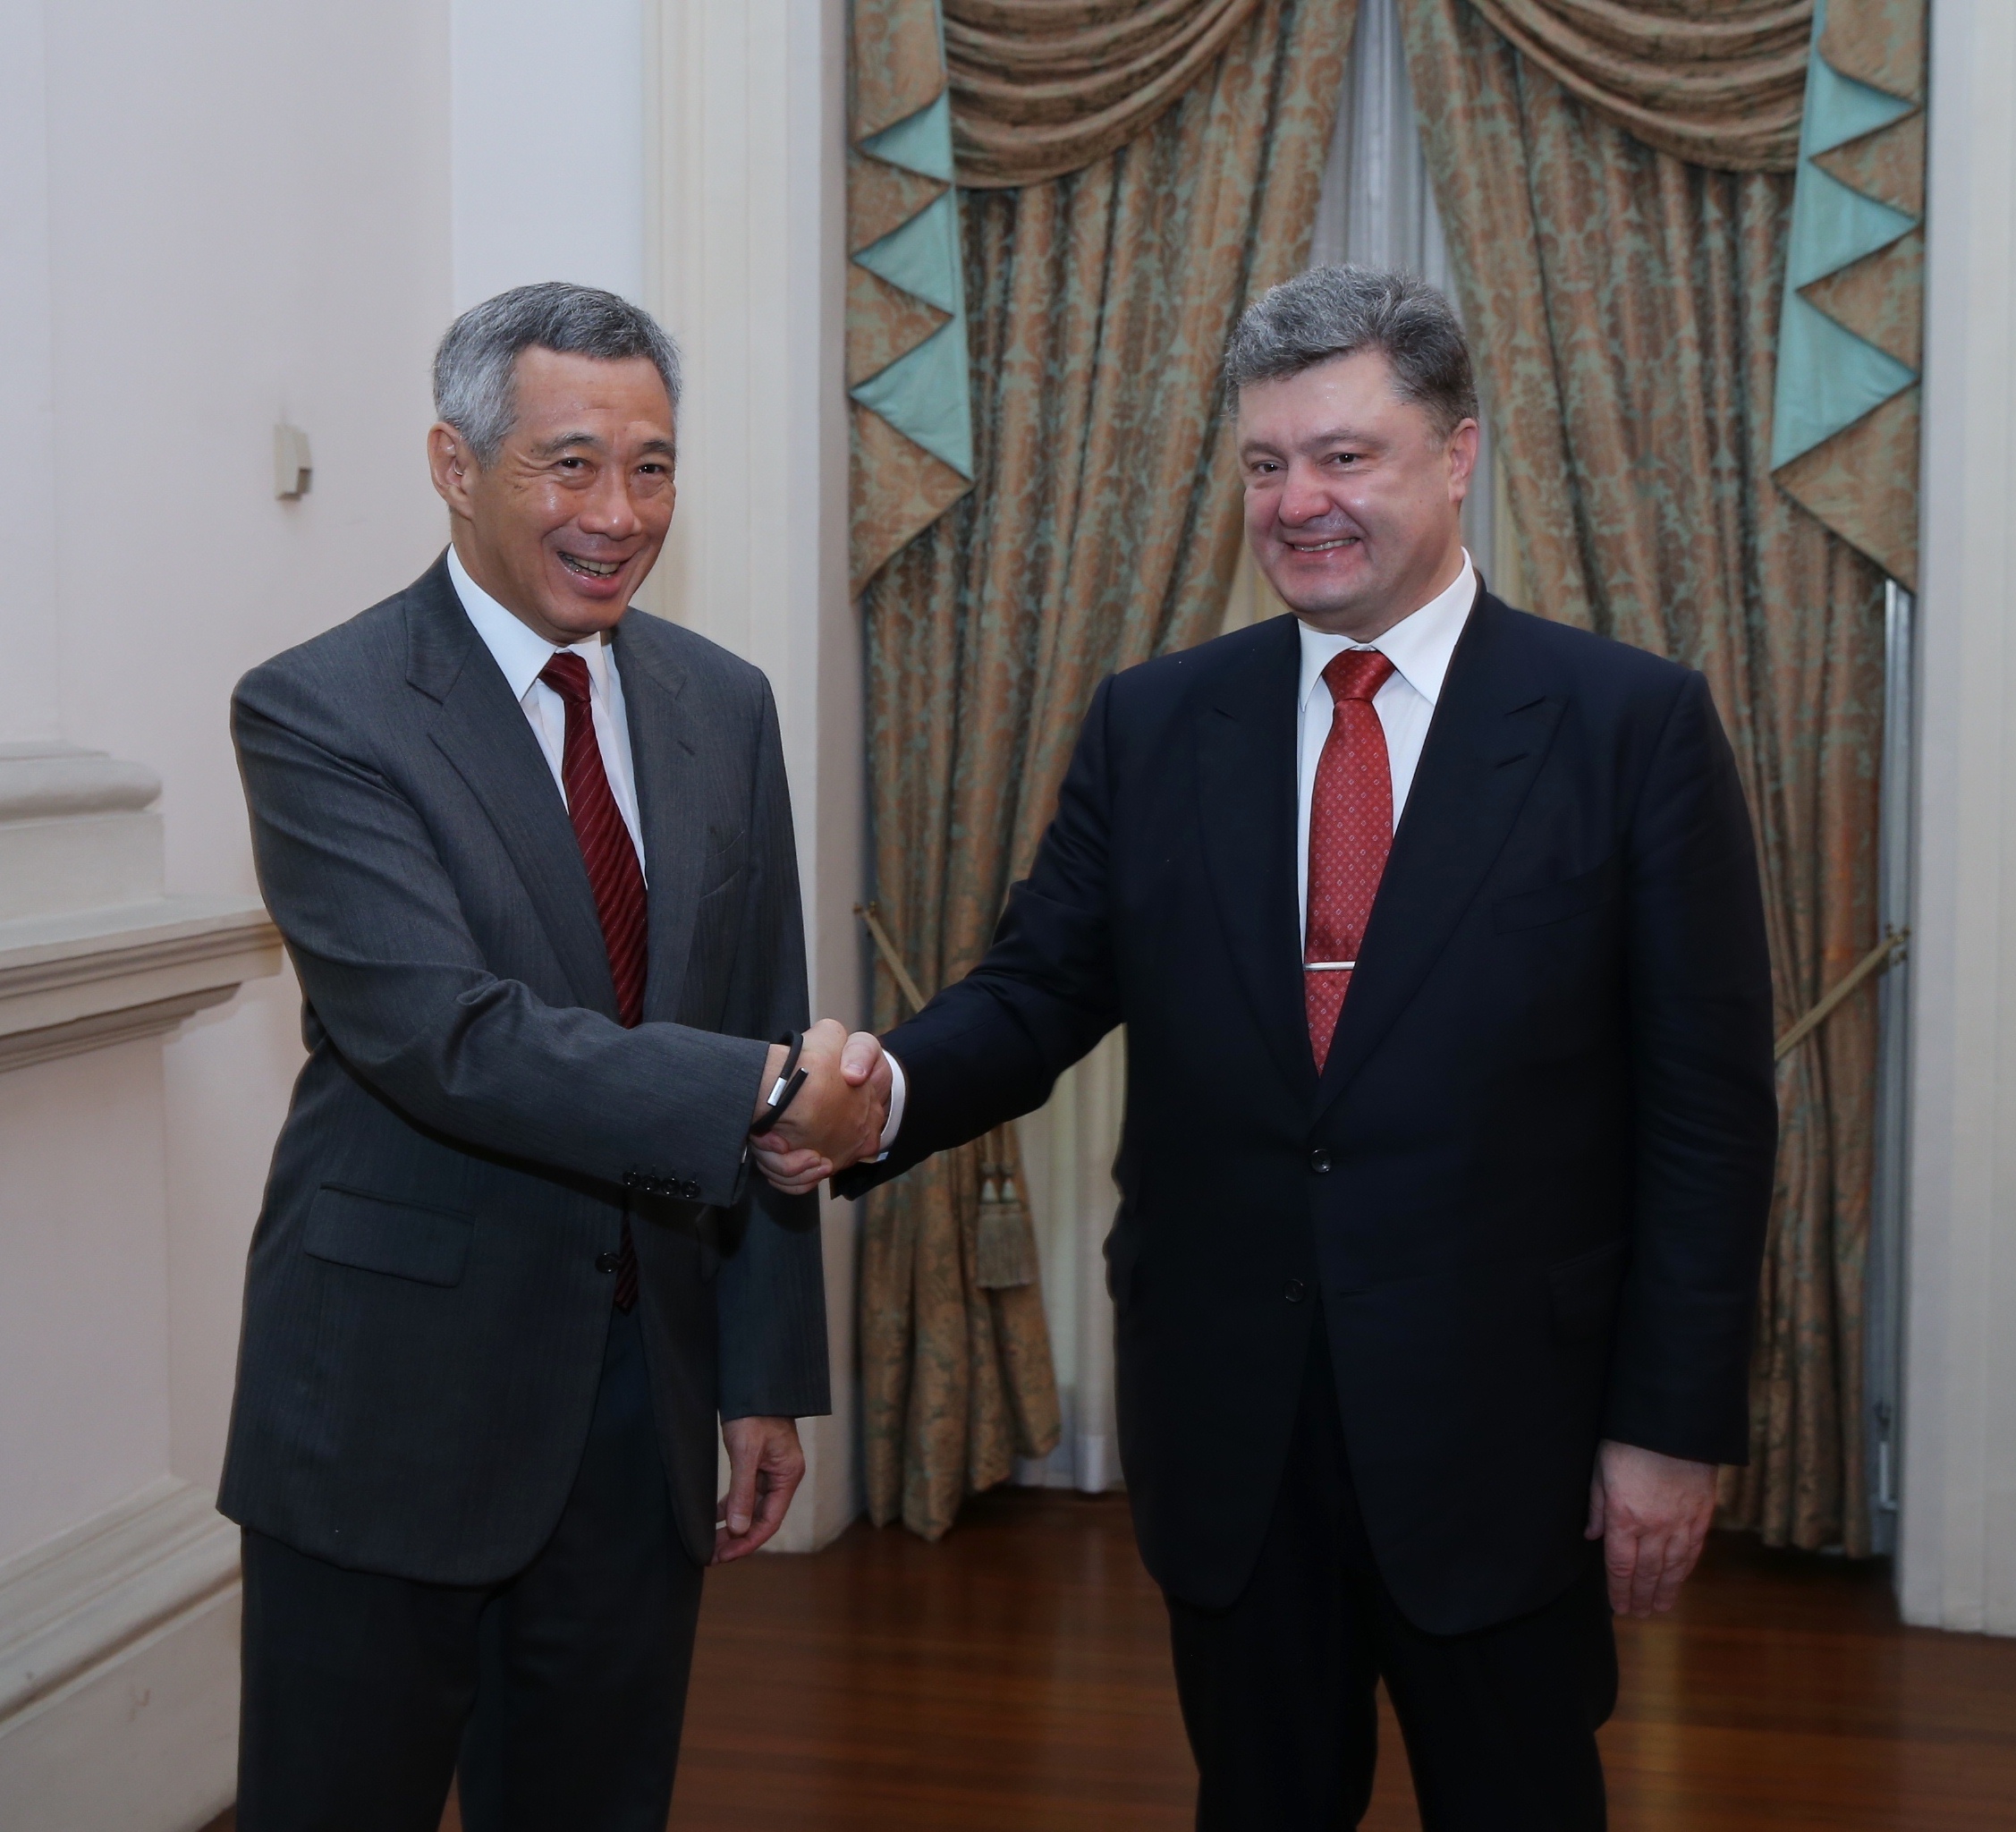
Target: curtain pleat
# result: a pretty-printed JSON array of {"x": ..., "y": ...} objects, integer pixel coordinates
[
  {"x": 1103, "y": 528},
  {"x": 1624, "y": 305}
]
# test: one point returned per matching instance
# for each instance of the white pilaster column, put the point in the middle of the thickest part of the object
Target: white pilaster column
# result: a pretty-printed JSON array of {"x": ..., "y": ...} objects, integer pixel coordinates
[
  {"x": 1957, "y": 1559},
  {"x": 745, "y": 214}
]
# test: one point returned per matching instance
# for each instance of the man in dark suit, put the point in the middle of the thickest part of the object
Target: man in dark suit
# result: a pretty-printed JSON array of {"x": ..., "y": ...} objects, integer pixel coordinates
[
  {"x": 1436, "y": 933},
  {"x": 532, "y": 857}
]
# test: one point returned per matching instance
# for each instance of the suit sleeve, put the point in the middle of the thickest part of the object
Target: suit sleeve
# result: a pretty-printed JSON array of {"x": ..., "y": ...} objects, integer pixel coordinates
[
  {"x": 388, "y": 964},
  {"x": 1705, "y": 1109},
  {"x": 770, "y": 1292},
  {"x": 989, "y": 1047}
]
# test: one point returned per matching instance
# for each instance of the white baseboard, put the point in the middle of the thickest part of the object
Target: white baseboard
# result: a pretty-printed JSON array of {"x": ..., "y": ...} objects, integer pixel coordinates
[{"x": 118, "y": 1670}]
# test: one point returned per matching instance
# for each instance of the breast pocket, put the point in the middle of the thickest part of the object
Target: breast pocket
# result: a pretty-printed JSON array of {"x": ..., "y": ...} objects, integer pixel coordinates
[
  {"x": 348, "y": 1227},
  {"x": 1558, "y": 902}
]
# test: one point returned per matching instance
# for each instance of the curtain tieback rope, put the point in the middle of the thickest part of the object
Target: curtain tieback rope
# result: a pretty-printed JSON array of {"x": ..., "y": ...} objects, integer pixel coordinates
[
  {"x": 1879, "y": 958},
  {"x": 871, "y": 914}
]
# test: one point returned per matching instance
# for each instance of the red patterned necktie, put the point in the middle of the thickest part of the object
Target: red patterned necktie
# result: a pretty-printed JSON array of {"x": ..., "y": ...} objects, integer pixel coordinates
[
  {"x": 1351, "y": 833},
  {"x": 613, "y": 875}
]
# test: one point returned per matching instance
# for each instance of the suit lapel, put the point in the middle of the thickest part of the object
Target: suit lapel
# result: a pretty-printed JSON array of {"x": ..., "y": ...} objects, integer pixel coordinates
[
  {"x": 484, "y": 733},
  {"x": 664, "y": 755},
  {"x": 1246, "y": 788},
  {"x": 1493, "y": 724}
]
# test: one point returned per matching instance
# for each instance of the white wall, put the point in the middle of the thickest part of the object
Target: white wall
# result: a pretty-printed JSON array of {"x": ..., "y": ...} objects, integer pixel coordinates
[
  {"x": 1957, "y": 1555},
  {"x": 238, "y": 212},
  {"x": 548, "y": 145},
  {"x": 211, "y": 217}
]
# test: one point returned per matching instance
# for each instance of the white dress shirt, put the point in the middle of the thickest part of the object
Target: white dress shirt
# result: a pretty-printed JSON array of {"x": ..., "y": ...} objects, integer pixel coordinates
[
  {"x": 1419, "y": 647},
  {"x": 521, "y": 652}
]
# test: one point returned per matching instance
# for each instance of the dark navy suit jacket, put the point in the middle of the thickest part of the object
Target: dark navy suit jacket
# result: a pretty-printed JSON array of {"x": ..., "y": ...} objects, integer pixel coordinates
[{"x": 1527, "y": 1196}]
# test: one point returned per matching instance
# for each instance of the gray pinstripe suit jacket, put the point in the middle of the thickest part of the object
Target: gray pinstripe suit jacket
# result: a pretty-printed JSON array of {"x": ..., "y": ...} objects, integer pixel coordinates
[{"x": 424, "y": 1319}]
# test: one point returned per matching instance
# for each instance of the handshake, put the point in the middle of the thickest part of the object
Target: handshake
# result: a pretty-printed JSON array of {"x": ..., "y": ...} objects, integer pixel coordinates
[{"x": 837, "y": 1116}]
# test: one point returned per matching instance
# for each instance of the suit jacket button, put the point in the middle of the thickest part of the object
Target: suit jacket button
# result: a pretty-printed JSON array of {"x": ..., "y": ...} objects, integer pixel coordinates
[
  {"x": 689, "y": 1190},
  {"x": 1294, "y": 1292},
  {"x": 606, "y": 1262},
  {"x": 1319, "y": 1160}
]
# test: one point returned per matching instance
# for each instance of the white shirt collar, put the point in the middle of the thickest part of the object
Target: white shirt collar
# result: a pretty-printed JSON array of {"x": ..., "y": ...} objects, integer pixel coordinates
[
  {"x": 520, "y": 650},
  {"x": 1418, "y": 646}
]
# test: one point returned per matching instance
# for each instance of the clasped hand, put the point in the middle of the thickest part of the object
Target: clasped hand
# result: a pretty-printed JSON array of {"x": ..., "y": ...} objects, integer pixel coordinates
[{"x": 838, "y": 1116}]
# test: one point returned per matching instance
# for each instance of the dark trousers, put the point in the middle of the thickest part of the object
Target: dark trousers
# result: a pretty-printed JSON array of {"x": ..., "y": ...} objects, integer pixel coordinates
[
  {"x": 1279, "y": 1691},
  {"x": 556, "y": 1696}
]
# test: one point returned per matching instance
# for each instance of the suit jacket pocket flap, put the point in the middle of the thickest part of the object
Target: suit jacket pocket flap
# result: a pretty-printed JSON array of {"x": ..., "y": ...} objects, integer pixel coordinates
[
  {"x": 1585, "y": 1290},
  {"x": 1556, "y": 903},
  {"x": 350, "y": 1228},
  {"x": 724, "y": 861}
]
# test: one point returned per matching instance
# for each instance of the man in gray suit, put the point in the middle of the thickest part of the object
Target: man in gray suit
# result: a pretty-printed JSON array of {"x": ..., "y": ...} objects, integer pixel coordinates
[{"x": 532, "y": 857}]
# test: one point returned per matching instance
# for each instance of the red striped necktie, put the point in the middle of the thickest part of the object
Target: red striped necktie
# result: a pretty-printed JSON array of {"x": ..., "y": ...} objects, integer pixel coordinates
[
  {"x": 613, "y": 875},
  {"x": 1351, "y": 833}
]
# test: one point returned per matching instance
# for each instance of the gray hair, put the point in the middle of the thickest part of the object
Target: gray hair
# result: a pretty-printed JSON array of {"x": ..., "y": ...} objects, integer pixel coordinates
[
  {"x": 1337, "y": 312},
  {"x": 475, "y": 367}
]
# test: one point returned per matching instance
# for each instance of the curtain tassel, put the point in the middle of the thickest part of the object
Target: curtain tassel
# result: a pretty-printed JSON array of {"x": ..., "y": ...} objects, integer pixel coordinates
[
  {"x": 1004, "y": 1248},
  {"x": 1004, "y": 1238}
]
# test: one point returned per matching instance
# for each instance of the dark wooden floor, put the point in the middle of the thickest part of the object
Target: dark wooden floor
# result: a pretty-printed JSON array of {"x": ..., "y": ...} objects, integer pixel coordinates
[{"x": 1017, "y": 1676}]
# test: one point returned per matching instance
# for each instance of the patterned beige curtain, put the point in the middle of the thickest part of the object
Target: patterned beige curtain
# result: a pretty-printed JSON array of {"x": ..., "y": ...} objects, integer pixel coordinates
[
  {"x": 1626, "y": 303},
  {"x": 1724, "y": 85},
  {"x": 1103, "y": 528}
]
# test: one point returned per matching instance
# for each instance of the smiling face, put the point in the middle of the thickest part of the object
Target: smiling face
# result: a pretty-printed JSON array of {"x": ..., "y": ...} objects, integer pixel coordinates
[
  {"x": 1353, "y": 499},
  {"x": 563, "y": 524}
]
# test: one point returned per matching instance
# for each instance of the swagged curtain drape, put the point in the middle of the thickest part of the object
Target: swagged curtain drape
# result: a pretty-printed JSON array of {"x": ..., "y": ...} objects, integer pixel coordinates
[
  {"x": 1625, "y": 287},
  {"x": 1100, "y": 531},
  {"x": 1721, "y": 83}
]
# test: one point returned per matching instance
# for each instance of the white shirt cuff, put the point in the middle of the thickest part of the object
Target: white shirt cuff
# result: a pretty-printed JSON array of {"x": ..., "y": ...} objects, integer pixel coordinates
[{"x": 899, "y": 1091}]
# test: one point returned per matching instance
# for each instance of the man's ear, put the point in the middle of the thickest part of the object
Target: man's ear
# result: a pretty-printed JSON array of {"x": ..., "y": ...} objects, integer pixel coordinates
[
  {"x": 1462, "y": 449},
  {"x": 452, "y": 466}
]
